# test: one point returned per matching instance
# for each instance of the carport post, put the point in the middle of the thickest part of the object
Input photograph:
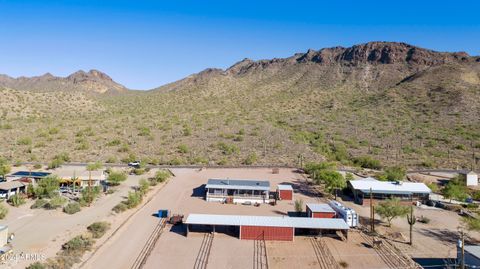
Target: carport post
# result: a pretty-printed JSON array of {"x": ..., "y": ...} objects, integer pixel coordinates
[{"x": 186, "y": 233}]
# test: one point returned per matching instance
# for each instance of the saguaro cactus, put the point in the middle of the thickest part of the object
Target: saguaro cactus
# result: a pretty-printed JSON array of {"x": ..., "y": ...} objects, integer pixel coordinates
[{"x": 411, "y": 221}]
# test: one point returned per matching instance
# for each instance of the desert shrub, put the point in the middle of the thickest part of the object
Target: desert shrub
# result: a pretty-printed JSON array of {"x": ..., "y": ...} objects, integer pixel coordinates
[
  {"x": 111, "y": 159},
  {"x": 343, "y": 264},
  {"x": 139, "y": 171},
  {"x": 77, "y": 245},
  {"x": 176, "y": 161},
  {"x": 37, "y": 166},
  {"x": 114, "y": 142},
  {"x": 460, "y": 147},
  {"x": 144, "y": 131},
  {"x": 120, "y": 207},
  {"x": 98, "y": 229},
  {"x": 26, "y": 141},
  {"x": 395, "y": 173},
  {"x": 39, "y": 203},
  {"x": 187, "y": 131},
  {"x": 367, "y": 162},
  {"x": 89, "y": 194},
  {"x": 433, "y": 187},
  {"x": 161, "y": 176},
  {"x": 47, "y": 187},
  {"x": 36, "y": 265},
  {"x": 133, "y": 199},
  {"x": 16, "y": 200},
  {"x": 72, "y": 208},
  {"x": 55, "y": 202},
  {"x": 182, "y": 148},
  {"x": 115, "y": 178},
  {"x": 251, "y": 159},
  {"x": 55, "y": 163},
  {"x": 3, "y": 211},
  {"x": 130, "y": 158},
  {"x": 227, "y": 149},
  {"x": 298, "y": 205},
  {"x": 143, "y": 185}
]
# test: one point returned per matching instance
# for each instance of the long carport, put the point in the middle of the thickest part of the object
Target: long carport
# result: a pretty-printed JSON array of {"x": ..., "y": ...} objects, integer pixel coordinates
[{"x": 265, "y": 227}]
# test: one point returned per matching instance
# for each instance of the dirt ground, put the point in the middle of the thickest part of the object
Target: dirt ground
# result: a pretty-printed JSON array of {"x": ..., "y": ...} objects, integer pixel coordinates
[
  {"x": 435, "y": 240},
  {"x": 40, "y": 231},
  {"x": 182, "y": 196}
]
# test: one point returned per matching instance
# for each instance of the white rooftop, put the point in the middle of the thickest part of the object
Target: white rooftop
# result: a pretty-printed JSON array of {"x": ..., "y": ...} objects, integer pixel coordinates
[
  {"x": 473, "y": 250},
  {"x": 238, "y": 184},
  {"x": 267, "y": 221},
  {"x": 285, "y": 187},
  {"x": 391, "y": 187},
  {"x": 320, "y": 208}
]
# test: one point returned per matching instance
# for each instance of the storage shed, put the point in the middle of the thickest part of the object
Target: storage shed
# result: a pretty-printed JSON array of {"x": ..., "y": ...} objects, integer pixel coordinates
[
  {"x": 320, "y": 211},
  {"x": 285, "y": 192},
  {"x": 470, "y": 177},
  {"x": 266, "y": 227}
]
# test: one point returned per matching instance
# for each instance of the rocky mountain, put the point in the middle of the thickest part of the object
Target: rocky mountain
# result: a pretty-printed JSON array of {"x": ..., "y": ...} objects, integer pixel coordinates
[
  {"x": 92, "y": 81},
  {"x": 392, "y": 102}
]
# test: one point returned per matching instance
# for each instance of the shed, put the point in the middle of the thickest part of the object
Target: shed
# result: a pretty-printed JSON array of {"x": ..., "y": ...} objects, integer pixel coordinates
[
  {"x": 285, "y": 192},
  {"x": 470, "y": 177},
  {"x": 320, "y": 211},
  {"x": 266, "y": 227}
]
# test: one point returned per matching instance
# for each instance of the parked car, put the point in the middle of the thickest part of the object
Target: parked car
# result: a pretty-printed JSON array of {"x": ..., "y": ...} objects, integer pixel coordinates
[
  {"x": 135, "y": 164},
  {"x": 430, "y": 203}
]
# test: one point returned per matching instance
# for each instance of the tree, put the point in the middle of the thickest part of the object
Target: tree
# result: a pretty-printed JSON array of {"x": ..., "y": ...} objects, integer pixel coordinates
[
  {"x": 395, "y": 173},
  {"x": 4, "y": 167},
  {"x": 161, "y": 176},
  {"x": 47, "y": 187},
  {"x": 455, "y": 190},
  {"x": 333, "y": 180},
  {"x": 115, "y": 178},
  {"x": 91, "y": 196},
  {"x": 349, "y": 176},
  {"x": 391, "y": 209}
]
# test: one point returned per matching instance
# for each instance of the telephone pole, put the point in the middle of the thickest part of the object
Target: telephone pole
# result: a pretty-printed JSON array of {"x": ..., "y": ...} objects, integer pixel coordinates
[
  {"x": 372, "y": 213},
  {"x": 462, "y": 240}
]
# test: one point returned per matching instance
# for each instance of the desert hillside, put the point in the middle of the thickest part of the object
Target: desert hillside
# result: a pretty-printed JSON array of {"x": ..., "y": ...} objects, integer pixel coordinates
[{"x": 393, "y": 102}]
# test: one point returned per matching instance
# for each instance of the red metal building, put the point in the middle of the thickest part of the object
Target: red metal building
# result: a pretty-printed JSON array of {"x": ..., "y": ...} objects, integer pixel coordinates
[
  {"x": 285, "y": 192},
  {"x": 320, "y": 211},
  {"x": 265, "y": 227}
]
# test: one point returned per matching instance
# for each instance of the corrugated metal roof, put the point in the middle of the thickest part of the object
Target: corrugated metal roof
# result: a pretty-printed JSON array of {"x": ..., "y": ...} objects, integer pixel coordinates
[
  {"x": 285, "y": 187},
  {"x": 244, "y": 184},
  {"x": 11, "y": 185},
  {"x": 320, "y": 207},
  {"x": 267, "y": 221},
  {"x": 390, "y": 187},
  {"x": 474, "y": 250}
]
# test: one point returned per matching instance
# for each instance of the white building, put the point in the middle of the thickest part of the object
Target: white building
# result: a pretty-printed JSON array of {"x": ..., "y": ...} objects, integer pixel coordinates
[
  {"x": 470, "y": 177},
  {"x": 237, "y": 191},
  {"x": 82, "y": 178}
]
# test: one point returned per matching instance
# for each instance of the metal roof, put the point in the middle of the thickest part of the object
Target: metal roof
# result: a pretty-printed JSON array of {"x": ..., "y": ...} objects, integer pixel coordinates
[
  {"x": 11, "y": 185},
  {"x": 235, "y": 184},
  {"x": 29, "y": 174},
  {"x": 390, "y": 187},
  {"x": 474, "y": 250},
  {"x": 267, "y": 221},
  {"x": 285, "y": 187},
  {"x": 320, "y": 207}
]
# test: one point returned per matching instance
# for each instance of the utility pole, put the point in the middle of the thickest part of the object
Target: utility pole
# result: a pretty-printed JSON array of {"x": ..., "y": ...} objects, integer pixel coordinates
[
  {"x": 372, "y": 213},
  {"x": 462, "y": 240}
]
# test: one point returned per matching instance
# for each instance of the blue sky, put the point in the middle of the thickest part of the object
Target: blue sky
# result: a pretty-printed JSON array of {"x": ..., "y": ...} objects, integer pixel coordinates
[{"x": 145, "y": 44}]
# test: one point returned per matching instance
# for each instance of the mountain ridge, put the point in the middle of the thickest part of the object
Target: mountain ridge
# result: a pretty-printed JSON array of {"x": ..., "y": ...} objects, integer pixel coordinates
[{"x": 93, "y": 81}]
